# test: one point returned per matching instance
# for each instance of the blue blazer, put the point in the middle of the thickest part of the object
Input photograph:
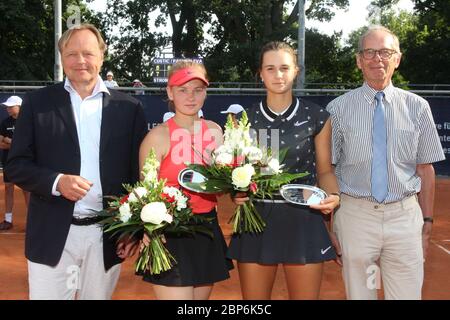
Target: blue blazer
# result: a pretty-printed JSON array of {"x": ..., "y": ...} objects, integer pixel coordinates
[{"x": 46, "y": 143}]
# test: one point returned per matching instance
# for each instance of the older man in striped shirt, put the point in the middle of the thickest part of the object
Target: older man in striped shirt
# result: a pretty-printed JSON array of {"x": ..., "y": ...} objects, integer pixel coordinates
[{"x": 384, "y": 144}]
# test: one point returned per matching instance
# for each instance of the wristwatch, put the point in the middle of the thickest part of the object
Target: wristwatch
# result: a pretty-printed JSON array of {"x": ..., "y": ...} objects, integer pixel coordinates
[
  {"x": 428, "y": 219},
  {"x": 336, "y": 194}
]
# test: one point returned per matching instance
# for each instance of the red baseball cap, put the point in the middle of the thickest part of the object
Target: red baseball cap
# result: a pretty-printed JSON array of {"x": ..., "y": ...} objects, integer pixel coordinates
[{"x": 184, "y": 75}]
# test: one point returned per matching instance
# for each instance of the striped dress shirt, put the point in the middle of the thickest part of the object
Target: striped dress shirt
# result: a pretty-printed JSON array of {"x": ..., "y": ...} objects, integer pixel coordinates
[{"x": 412, "y": 139}]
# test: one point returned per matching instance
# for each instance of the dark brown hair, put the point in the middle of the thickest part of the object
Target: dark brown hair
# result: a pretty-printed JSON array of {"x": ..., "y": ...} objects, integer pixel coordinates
[{"x": 275, "y": 46}]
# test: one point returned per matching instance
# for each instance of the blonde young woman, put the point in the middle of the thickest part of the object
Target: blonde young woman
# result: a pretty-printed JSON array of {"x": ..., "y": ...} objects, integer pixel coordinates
[
  {"x": 295, "y": 237},
  {"x": 200, "y": 259}
]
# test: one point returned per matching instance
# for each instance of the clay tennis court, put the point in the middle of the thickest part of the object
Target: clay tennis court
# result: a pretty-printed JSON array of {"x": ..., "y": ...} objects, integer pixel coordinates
[{"x": 13, "y": 267}]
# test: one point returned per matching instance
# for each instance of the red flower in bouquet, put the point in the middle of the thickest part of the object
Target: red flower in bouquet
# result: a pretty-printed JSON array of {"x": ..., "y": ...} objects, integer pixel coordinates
[
  {"x": 168, "y": 198},
  {"x": 124, "y": 199},
  {"x": 253, "y": 187}
]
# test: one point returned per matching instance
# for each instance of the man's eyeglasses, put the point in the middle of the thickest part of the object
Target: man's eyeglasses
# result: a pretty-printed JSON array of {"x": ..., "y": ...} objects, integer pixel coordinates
[{"x": 385, "y": 54}]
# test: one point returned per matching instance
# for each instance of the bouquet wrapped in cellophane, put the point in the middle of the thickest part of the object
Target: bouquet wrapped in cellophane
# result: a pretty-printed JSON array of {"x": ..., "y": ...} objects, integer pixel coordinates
[
  {"x": 156, "y": 209},
  {"x": 240, "y": 165}
]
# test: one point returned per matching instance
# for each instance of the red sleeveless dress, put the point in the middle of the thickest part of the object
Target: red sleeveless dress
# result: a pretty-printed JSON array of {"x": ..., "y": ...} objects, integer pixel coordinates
[{"x": 187, "y": 148}]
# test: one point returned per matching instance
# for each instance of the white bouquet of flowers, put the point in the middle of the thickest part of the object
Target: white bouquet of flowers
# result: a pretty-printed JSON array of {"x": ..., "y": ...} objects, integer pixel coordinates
[
  {"x": 152, "y": 207},
  {"x": 240, "y": 165}
]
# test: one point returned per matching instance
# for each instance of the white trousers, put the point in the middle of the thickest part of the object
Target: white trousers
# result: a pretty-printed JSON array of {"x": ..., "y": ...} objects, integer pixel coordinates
[
  {"x": 381, "y": 242},
  {"x": 79, "y": 274}
]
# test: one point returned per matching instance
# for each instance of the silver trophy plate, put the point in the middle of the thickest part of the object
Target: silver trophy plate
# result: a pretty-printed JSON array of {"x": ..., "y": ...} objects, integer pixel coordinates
[
  {"x": 193, "y": 181},
  {"x": 302, "y": 194}
]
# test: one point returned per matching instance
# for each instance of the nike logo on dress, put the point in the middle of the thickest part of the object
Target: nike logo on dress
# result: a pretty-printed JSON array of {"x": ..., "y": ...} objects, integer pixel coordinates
[
  {"x": 322, "y": 251},
  {"x": 298, "y": 124}
]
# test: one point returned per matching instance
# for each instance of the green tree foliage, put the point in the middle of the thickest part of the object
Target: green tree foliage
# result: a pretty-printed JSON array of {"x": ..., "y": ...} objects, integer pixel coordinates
[
  {"x": 27, "y": 38},
  {"x": 236, "y": 30},
  {"x": 132, "y": 32},
  {"x": 427, "y": 46},
  {"x": 192, "y": 18},
  {"x": 228, "y": 34},
  {"x": 131, "y": 38},
  {"x": 25, "y": 50},
  {"x": 244, "y": 27},
  {"x": 326, "y": 59},
  {"x": 424, "y": 39}
]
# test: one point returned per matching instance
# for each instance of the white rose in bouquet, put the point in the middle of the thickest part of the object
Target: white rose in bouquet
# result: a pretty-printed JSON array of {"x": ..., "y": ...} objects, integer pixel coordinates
[
  {"x": 124, "y": 212},
  {"x": 141, "y": 192},
  {"x": 274, "y": 166},
  {"x": 155, "y": 212},
  {"x": 242, "y": 176},
  {"x": 254, "y": 154},
  {"x": 223, "y": 158}
]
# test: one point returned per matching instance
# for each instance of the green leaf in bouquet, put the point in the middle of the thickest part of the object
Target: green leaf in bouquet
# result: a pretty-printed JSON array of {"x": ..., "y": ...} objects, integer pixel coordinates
[
  {"x": 243, "y": 121},
  {"x": 119, "y": 229},
  {"x": 218, "y": 185},
  {"x": 196, "y": 186},
  {"x": 155, "y": 257},
  {"x": 247, "y": 219},
  {"x": 282, "y": 154},
  {"x": 188, "y": 223},
  {"x": 199, "y": 168},
  {"x": 229, "y": 124},
  {"x": 120, "y": 225},
  {"x": 150, "y": 228},
  {"x": 203, "y": 180},
  {"x": 222, "y": 172},
  {"x": 108, "y": 219}
]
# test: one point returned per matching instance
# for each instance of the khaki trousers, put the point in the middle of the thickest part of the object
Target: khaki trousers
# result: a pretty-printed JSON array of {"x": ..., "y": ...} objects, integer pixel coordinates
[
  {"x": 79, "y": 274},
  {"x": 381, "y": 242}
]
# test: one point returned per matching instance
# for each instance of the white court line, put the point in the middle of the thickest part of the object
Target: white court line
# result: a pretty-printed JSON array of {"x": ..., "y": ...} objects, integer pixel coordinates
[
  {"x": 11, "y": 233},
  {"x": 441, "y": 247},
  {"x": 446, "y": 240}
]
